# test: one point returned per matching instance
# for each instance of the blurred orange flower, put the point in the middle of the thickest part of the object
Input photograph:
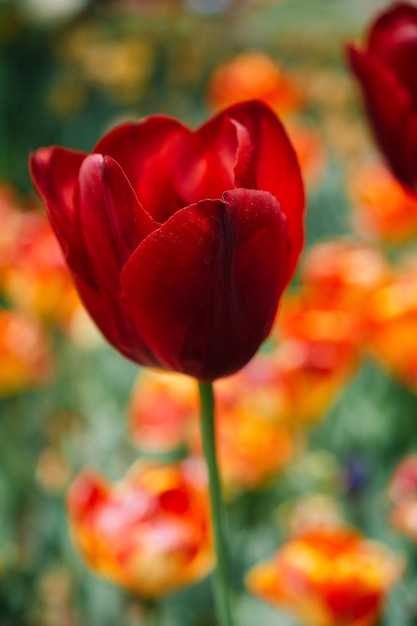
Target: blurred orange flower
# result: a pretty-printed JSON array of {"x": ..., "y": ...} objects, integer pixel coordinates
[
  {"x": 10, "y": 223},
  {"x": 150, "y": 532},
  {"x": 391, "y": 324},
  {"x": 25, "y": 360},
  {"x": 36, "y": 278},
  {"x": 343, "y": 273},
  {"x": 163, "y": 408},
  {"x": 317, "y": 353},
  {"x": 321, "y": 326},
  {"x": 383, "y": 207},
  {"x": 254, "y": 442},
  {"x": 402, "y": 491},
  {"x": 254, "y": 75},
  {"x": 328, "y": 577}
]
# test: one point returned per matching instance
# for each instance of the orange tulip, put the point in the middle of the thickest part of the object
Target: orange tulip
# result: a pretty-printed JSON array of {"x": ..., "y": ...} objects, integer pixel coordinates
[
  {"x": 254, "y": 441},
  {"x": 36, "y": 278},
  {"x": 328, "y": 577},
  {"x": 33, "y": 275},
  {"x": 254, "y": 75},
  {"x": 10, "y": 223},
  {"x": 163, "y": 408},
  {"x": 383, "y": 208},
  {"x": 391, "y": 324},
  {"x": 317, "y": 353},
  {"x": 150, "y": 532},
  {"x": 25, "y": 360},
  {"x": 343, "y": 273}
]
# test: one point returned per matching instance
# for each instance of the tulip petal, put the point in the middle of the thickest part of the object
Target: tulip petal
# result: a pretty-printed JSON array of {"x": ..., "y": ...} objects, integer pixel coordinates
[
  {"x": 203, "y": 289},
  {"x": 116, "y": 325},
  {"x": 146, "y": 152},
  {"x": 393, "y": 39},
  {"x": 391, "y": 113},
  {"x": 273, "y": 167},
  {"x": 205, "y": 165},
  {"x": 54, "y": 172},
  {"x": 113, "y": 223},
  {"x": 127, "y": 535}
]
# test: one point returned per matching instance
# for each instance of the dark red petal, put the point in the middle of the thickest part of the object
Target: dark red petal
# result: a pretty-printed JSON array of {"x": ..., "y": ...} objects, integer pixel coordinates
[
  {"x": 204, "y": 288},
  {"x": 147, "y": 153},
  {"x": 393, "y": 39},
  {"x": 393, "y": 24},
  {"x": 115, "y": 324},
  {"x": 274, "y": 167},
  {"x": 205, "y": 165},
  {"x": 391, "y": 113},
  {"x": 54, "y": 173},
  {"x": 113, "y": 223}
]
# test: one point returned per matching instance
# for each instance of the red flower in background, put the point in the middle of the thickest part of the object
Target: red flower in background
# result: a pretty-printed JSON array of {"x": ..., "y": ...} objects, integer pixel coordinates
[
  {"x": 180, "y": 242},
  {"x": 386, "y": 71}
]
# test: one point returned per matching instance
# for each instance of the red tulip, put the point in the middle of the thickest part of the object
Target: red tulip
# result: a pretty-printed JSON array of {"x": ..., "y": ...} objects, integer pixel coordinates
[
  {"x": 180, "y": 242},
  {"x": 386, "y": 71}
]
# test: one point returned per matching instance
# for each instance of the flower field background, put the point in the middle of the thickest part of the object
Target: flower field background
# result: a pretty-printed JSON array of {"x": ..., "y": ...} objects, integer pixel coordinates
[{"x": 317, "y": 436}]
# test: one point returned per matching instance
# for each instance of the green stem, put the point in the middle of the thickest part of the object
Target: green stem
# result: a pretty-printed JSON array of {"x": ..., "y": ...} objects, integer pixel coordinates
[{"x": 221, "y": 580}]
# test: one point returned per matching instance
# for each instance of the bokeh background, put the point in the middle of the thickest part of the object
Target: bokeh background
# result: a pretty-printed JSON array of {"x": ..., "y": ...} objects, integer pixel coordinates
[{"x": 344, "y": 396}]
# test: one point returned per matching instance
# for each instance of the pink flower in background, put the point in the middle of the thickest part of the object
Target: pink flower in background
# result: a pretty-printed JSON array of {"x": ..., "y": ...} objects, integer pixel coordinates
[{"x": 402, "y": 492}]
